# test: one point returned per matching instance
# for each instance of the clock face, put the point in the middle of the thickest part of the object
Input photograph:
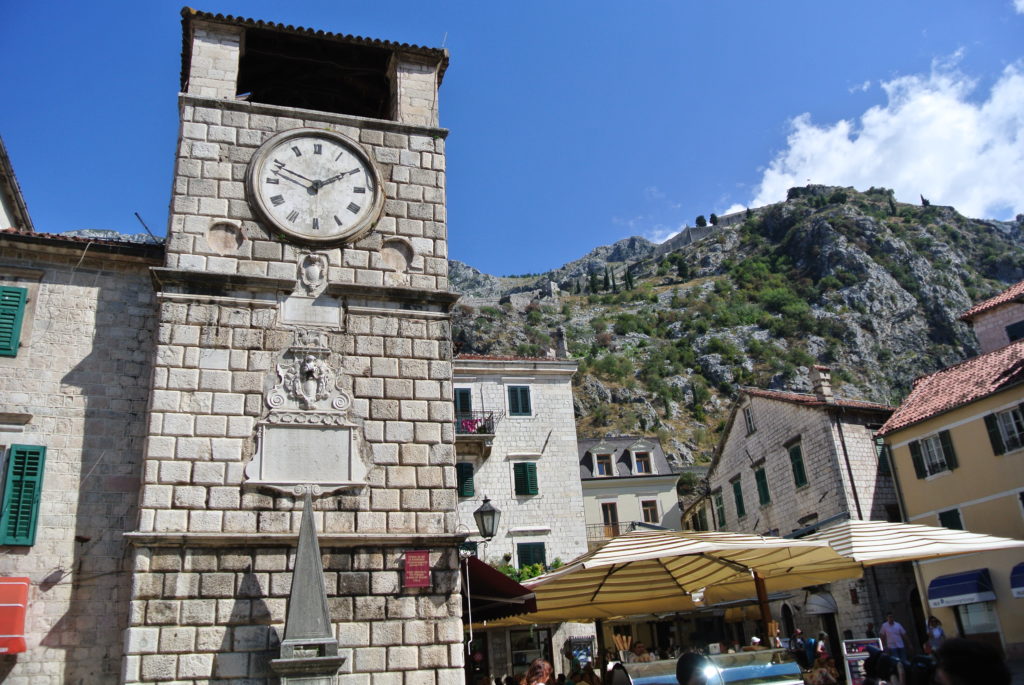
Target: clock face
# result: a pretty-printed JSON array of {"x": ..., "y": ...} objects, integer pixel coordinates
[{"x": 316, "y": 186}]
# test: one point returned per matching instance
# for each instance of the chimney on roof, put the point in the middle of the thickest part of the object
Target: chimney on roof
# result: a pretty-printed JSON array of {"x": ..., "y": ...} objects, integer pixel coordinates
[{"x": 821, "y": 381}]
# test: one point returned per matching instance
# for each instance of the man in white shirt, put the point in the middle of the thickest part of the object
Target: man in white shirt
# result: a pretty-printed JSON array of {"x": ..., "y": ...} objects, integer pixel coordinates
[{"x": 893, "y": 637}]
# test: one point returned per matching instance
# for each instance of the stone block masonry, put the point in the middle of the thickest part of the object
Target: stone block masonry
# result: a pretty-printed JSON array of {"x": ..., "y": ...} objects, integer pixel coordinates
[{"x": 80, "y": 383}]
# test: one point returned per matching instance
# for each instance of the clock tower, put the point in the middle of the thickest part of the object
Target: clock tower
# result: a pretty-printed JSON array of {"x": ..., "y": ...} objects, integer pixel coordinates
[{"x": 303, "y": 350}]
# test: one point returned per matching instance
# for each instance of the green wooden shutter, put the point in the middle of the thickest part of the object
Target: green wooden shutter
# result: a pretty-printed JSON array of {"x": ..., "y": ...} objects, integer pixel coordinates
[
  {"x": 464, "y": 472},
  {"x": 915, "y": 456},
  {"x": 12, "y": 310},
  {"x": 525, "y": 478},
  {"x": 947, "y": 450},
  {"x": 463, "y": 401},
  {"x": 763, "y": 495},
  {"x": 737, "y": 494},
  {"x": 796, "y": 458},
  {"x": 882, "y": 450},
  {"x": 951, "y": 519},
  {"x": 519, "y": 400},
  {"x": 994, "y": 436},
  {"x": 22, "y": 490}
]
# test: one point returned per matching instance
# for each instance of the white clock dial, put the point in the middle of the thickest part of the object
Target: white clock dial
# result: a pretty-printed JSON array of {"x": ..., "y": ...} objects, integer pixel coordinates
[{"x": 316, "y": 186}]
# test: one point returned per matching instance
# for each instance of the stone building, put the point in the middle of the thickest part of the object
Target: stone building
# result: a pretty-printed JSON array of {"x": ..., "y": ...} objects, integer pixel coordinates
[
  {"x": 789, "y": 463},
  {"x": 998, "y": 321},
  {"x": 516, "y": 445},
  {"x": 627, "y": 481},
  {"x": 291, "y": 337}
]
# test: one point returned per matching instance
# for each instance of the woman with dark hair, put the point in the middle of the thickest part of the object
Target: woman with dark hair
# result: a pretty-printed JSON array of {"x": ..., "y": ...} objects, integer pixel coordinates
[
  {"x": 690, "y": 669},
  {"x": 539, "y": 673}
]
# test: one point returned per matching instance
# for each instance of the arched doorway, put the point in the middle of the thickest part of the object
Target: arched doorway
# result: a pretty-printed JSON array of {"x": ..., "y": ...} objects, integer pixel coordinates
[{"x": 788, "y": 626}]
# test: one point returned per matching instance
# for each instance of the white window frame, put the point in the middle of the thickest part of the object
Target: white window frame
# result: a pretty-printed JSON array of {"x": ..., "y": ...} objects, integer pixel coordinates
[
  {"x": 650, "y": 462},
  {"x": 657, "y": 508},
  {"x": 1011, "y": 428},
  {"x": 611, "y": 465},
  {"x": 932, "y": 455},
  {"x": 748, "y": 419}
]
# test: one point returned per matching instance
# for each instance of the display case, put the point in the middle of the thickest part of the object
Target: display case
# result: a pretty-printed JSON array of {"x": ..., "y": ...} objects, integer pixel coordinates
[{"x": 762, "y": 667}]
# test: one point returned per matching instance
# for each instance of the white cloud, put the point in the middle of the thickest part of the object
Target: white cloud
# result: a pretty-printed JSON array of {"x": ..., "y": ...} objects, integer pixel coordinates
[
  {"x": 928, "y": 139},
  {"x": 660, "y": 234},
  {"x": 864, "y": 87},
  {"x": 655, "y": 193},
  {"x": 1019, "y": 5}
]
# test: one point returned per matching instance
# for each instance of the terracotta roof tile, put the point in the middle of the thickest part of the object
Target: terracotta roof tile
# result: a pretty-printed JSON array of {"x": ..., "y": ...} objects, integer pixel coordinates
[
  {"x": 1014, "y": 292},
  {"x": 814, "y": 400},
  {"x": 958, "y": 385}
]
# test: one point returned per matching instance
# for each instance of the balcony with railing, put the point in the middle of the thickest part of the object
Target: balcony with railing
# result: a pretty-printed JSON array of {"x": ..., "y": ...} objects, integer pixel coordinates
[
  {"x": 474, "y": 430},
  {"x": 597, "y": 533}
]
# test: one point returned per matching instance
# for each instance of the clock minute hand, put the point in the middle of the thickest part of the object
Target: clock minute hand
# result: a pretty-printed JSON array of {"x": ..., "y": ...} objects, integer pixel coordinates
[
  {"x": 334, "y": 178},
  {"x": 295, "y": 173}
]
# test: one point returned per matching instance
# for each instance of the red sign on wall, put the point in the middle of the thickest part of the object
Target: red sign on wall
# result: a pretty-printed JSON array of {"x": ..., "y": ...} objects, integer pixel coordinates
[{"x": 417, "y": 568}]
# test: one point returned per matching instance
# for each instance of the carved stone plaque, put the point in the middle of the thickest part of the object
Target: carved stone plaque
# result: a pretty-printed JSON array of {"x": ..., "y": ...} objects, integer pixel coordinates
[{"x": 306, "y": 437}]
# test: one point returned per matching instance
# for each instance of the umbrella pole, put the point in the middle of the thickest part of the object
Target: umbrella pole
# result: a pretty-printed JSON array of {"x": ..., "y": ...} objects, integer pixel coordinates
[
  {"x": 599, "y": 656},
  {"x": 762, "y": 600}
]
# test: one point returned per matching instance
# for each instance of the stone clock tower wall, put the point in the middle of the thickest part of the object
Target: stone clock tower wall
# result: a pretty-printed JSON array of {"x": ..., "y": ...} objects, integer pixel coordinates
[{"x": 243, "y": 316}]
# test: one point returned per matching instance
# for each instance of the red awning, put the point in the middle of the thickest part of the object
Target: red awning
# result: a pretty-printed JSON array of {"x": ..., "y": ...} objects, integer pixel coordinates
[
  {"x": 13, "y": 601},
  {"x": 491, "y": 594}
]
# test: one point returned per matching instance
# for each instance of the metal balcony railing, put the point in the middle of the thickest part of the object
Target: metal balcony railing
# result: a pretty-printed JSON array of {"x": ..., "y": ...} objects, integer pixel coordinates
[
  {"x": 475, "y": 423},
  {"x": 603, "y": 531}
]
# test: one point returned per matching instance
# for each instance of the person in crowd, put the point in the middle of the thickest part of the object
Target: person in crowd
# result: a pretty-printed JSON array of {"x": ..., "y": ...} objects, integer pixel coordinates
[
  {"x": 589, "y": 676},
  {"x": 776, "y": 641},
  {"x": 936, "y": 636},
  {"x": 797, "y": 647},
  {"x": 968, "y": 662},
  {"x": 893, "y": 637},
  {"x": 560, "y": 680},
  {"x": 821, "y": 648},
  {"x": 824, "y": 671},
  {"x": 640, "y": 653},
  {"x": 755, "y": 645},
  {"x": 690, "y": 669},
  {"x": 870, "y": 632},
  {"x": 539, "y": 673}
]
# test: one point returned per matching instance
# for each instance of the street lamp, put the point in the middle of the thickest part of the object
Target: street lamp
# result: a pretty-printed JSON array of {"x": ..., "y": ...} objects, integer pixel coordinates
[{"x": 487, "y": 519}]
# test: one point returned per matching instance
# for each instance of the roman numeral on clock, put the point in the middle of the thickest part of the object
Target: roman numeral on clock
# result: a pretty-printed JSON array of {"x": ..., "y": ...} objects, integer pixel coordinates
[
  {"x": 353, "y": 207},
  {"x": 293, "y": 216},
  {"x": 296, "y": 150},
  {"x": 317, "y": 148},
  {"x": 359, "y": 190},
  {"x": 316, "y": 224},
  {"x": 279, "y": 165},
  {"x": 337, "y": 220},
  {"x": 273, "y": 180},
  {"x": 277, "y": 200}
]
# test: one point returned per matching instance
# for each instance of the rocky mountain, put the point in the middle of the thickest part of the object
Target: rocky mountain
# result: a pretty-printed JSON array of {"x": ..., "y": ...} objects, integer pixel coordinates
[{"x": 855, "y": 280}]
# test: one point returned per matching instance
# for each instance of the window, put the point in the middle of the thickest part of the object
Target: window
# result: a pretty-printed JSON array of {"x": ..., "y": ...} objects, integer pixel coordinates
[
  {"x": 22, "y": 489},
  {"x": 1015, "y": 331},
  {"x": 719, "y": 508},
  {"x": 525, "y": 478},
  {"x": 737, "y": 495},
  {"x": 531, "y": 553},
  {"x": 882, "y": 450},
  {"x": 761, "y": 478},
  {"x": 702, "y": 519},
  {"x": 854, "y": 596},
  {"x": 979, "y": 617},
  {"x": 951, "y": 519},
  {"x": 1006, "y": 430},
  {"x": 649, "y": 510},
  {"x": 748, "y": 418},
  {"x": 933, "y": 454},
  {"x": 12, "y": 311},
  {"x": 643, "y": 462},
  {"x": 464, "y": 474},
  {"x": 604, "y": 464},
  {"x": 463, "y": 401},
  {"x": 796, "y": 460},
  {"x": 519, "y": 400},
  {"x": 610, "y": 518}
]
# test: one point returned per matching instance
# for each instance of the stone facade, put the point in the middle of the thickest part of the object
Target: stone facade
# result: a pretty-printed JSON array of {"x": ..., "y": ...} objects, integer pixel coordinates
[
  {"x": 842, "y": 478},
  {"x": 544, "y": 437},
  {"x": 990, "y": 326},
  {"x": 78, "y": 386},
  {"x": 213, "y": 552}
]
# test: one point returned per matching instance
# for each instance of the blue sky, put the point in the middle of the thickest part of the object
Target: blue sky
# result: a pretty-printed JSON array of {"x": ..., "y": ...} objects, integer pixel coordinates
[{"x": 573, "y": 124}]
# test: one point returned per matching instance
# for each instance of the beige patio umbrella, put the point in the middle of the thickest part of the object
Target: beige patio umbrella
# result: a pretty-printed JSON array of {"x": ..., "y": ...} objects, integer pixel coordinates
[
  {"x": 880, "y": 542},
  {"x": 657, "y": 571}
]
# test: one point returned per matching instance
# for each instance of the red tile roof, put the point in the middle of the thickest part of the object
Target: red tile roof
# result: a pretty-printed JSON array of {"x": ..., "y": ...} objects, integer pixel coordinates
[
  {"x": 958, "y": 385},
  {"x": 814, "y": 401},
  {"x": 1011, "y": 294}
]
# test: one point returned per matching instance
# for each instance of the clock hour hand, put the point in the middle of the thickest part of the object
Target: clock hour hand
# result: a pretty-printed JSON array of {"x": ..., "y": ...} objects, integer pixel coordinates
[{"x": 295, "y": 173}]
